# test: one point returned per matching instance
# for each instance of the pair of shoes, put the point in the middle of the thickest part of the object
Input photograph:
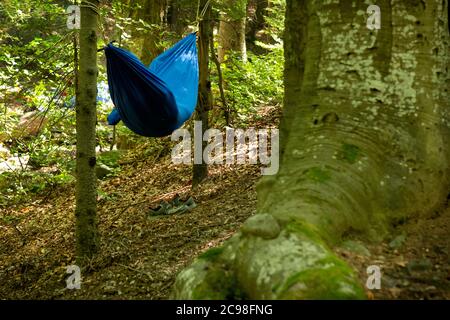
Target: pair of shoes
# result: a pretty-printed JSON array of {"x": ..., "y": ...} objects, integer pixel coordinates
[
  {"x": 175, "y": 206},
  {"x": 176, "y": 201},
  {"x": 188, "y": 205},
  {"x": 160, "y": 210}
]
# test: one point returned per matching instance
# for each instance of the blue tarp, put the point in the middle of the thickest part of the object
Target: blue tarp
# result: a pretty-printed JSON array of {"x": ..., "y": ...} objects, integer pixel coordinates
[{"x": 154, "y": 101}]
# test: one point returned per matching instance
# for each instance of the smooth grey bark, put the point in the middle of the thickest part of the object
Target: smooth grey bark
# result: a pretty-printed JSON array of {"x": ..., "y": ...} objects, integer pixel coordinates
[{"x": 365, "y": 139}]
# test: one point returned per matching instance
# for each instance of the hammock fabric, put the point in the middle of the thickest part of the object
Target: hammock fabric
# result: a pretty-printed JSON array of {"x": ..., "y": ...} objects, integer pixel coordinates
[{"x": 156, "y": 100}]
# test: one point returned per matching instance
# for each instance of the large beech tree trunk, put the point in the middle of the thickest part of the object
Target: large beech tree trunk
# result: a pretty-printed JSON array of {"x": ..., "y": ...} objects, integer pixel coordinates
[
  {"x": 365, "y": 143},
  {"x": 86, "y": 117}
]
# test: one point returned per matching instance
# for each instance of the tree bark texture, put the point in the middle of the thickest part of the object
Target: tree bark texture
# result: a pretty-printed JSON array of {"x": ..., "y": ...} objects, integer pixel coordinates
[{"x": 365, "y": 144}]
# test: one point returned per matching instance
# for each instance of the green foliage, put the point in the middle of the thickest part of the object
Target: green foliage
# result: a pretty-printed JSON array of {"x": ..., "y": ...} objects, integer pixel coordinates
[
  {"x": 102, "y": 195},
  {"x": 255, "y": 83},
  {"x": 36, "y": 74},
  {"x": 19, "y": 186},
  {"x": 275, "y": 18},
  {"x": 8, "y": 121},
  {"x": 110, "y": 158},
  {"x": 129, "y": 27},
  {"x": 36, "y": 62},
  {"x": 9, "y": 220},
  {"x": 259, "y": 81},
  {"x": 233, "y": 9},
  {"x": 34, "y": 46}
]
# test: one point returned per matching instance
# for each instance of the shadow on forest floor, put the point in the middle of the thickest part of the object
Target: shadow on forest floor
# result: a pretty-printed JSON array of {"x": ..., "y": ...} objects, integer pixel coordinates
[{"x": 414, "y": 263}]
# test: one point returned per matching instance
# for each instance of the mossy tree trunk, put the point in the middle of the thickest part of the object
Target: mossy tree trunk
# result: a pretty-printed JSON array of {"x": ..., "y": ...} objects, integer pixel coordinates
[
  {"x": 86, "y": 117},
  {"x": 232, "y": 29},
  {"x": 200, "y": 170},
  {"x": 365, "y": 140}
]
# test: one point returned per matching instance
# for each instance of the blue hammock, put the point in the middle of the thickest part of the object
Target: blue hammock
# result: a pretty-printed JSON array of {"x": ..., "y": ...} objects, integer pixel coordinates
[{"x": 156, "y": 100}]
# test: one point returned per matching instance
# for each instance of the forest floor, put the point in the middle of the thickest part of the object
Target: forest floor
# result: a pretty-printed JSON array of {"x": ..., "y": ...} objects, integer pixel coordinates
[
  {"x": 414, "y": 262},
  {"x": 141, "y": 254}
]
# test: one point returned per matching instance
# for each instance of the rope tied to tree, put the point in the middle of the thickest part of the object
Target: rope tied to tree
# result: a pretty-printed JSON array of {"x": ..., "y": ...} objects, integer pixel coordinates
[
  {"x": 201, "y": 14},
  {"x": 90, "y": 5}
]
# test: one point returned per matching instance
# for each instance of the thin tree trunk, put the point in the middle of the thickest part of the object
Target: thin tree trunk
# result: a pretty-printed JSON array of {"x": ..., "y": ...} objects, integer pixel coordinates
[
  {"x": 225, "y": 107},
  {"x": 200, "y": 171},
  {"x": 366, "y": 144},
  {"x": 86, "y": 193}
]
